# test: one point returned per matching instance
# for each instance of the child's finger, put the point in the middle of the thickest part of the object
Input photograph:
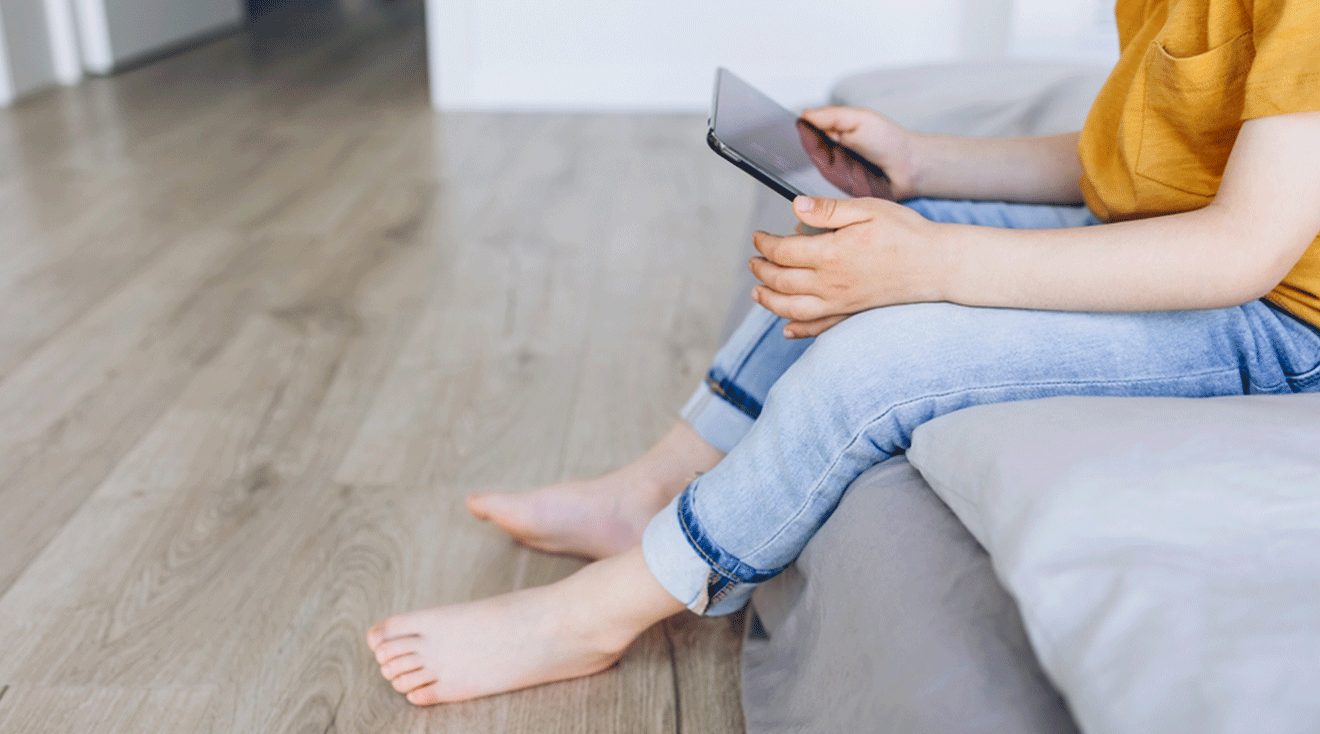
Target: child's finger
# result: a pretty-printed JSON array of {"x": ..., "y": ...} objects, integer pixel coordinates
[{"x": 805, "y": 329}]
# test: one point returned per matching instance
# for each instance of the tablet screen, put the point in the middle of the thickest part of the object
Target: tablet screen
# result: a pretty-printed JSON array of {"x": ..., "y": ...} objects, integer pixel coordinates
[{"x": 787, "y": 147}]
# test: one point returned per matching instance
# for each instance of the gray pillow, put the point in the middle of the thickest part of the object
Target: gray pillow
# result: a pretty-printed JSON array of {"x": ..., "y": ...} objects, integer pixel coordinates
[
  {"x": 987, "y": 99},
  {"x": 1165, "y": 553}
]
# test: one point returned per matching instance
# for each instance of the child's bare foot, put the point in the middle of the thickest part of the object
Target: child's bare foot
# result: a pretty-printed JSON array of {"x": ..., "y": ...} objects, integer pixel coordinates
[
  {"x": 605, "y": 516},
  {"x": 595, "y": 519},
  {"x": 464, "y": 651},
  {"x": 573, "y": 628}
]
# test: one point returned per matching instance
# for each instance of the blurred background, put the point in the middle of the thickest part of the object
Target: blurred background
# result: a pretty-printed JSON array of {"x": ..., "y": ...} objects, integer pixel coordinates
[{"x": 577, "y": 54}]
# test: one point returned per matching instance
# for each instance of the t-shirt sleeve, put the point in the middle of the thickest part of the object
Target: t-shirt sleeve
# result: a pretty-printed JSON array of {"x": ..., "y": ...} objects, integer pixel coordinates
[{"x": 1285, "y": 75}]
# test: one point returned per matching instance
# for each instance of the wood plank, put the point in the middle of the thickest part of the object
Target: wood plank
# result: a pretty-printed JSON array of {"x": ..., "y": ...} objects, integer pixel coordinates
[
  {"x": 66, "y": 249},
  {"x": 215, "y": 454},
  {"x": 104, "y": 710},
  {"x": 71, "y": 411},
  {"x": 123, "y": 363}
]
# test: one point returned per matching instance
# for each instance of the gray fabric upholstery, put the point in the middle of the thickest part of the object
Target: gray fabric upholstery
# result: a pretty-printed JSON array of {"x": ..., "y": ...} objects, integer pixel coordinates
[
  {"x": 1163, "y": 550},
  {"x": 892, "y": 620},
  {"x": 991, "y": 99}
]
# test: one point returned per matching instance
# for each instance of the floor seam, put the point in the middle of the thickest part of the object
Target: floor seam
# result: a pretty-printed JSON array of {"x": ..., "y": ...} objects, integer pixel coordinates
[{"x": 673, "y": 677}]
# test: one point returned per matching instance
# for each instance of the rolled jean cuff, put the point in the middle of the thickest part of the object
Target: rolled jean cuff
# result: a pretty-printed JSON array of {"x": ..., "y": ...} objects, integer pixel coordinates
[
  {"x": 716, "y": 420},
  {"x": 683, "y": 569}
]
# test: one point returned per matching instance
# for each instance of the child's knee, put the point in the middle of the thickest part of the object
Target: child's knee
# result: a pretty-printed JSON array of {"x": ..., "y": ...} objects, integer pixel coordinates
[{"x": 891, "y": 353}]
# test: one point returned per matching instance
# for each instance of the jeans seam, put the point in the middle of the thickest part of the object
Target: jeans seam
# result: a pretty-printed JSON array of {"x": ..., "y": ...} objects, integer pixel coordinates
[
  {"x": 722, "y": 382},
  {"x": 861, "y": 433},
  {"x": 726, "y": 389},
  {"x": 746, "y": 356},
  {"x": 1287, "y": 313},
  {"x": 1249, "y": 383},
  {"x": 1291, "y": 381},
  {"x": 715, "y": 566}
]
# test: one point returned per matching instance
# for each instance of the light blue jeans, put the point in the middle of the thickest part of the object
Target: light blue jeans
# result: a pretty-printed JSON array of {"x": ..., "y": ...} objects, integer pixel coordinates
[{"x": 800, "y": 420}]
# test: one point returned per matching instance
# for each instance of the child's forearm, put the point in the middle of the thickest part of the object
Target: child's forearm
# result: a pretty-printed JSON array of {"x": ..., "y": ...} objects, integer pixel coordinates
[
  {"x": 1200, "y": 259},
  {"x": 1042, "y": 169}
]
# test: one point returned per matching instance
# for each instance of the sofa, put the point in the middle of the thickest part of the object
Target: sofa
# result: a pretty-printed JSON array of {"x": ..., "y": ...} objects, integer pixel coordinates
[{"x": 1054, "y": 566}]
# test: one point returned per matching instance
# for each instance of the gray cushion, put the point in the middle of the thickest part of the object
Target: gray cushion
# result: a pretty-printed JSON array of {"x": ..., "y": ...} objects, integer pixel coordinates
[
  {"x": 1165, "y": 551},
  {"x": 991, "y": 99}
]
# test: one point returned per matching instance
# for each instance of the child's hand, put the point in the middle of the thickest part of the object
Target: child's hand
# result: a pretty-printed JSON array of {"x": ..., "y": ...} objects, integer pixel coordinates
[
  {"x": 880, "y": 254},
  {"x": 876, "y": 137}
]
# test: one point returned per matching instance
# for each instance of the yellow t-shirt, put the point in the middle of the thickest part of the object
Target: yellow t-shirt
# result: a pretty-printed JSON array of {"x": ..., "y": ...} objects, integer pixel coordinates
[{"x": 1191, "y": 71}]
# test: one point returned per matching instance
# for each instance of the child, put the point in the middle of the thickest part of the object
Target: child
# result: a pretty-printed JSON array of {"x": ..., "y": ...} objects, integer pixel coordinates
[{"x": 1201, "y": 157}]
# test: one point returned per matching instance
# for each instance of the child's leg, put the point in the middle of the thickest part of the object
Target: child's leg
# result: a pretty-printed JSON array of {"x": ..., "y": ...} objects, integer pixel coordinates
[
  {"x": 600, "y": 517},
  {"x": 853, "y": 399},
  {"x": 856, "y": 395}
]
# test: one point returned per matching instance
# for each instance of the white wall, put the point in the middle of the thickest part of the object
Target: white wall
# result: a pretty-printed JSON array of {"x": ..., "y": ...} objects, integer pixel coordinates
[
  {"x": 25, "y": 46},
  {"x": 6, "y": 82},
  {"x": 117, "y": 31},
  {"x": 66, "y": 58},
  {"x": 662, "y": 55},
  {"x": 142, "y": 27},
  {"x": 94, "y": 36},
  {"x": 47, "y": 41},
  {"x": 1075, "y": 29},
  {"x": 642, "y": 54}
]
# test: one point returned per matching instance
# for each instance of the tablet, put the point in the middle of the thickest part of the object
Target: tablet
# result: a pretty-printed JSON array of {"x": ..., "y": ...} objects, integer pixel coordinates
[{"x": 784, "y": 151}]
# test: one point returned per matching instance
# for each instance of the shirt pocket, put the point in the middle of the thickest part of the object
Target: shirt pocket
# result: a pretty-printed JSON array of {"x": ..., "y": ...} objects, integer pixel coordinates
[{"x": 1192, "y": 113}]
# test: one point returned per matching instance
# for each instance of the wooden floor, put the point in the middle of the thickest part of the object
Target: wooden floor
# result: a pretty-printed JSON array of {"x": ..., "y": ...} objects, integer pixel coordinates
[{"x": 267, "y": 319}]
